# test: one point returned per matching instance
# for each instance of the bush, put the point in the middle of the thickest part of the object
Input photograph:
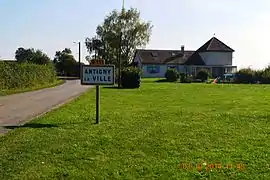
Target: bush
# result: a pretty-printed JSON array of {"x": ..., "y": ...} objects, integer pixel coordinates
[
  {"x": 15, "y": 75},
  {"x": 246, "y": 76},
  {"x": 130, "y": 77},
  {"x": 265, "y": 75},
  {"x": 171, "y": 75},
  {"x": 203, "y": 75},
  {"x": 183, "y": 77}
]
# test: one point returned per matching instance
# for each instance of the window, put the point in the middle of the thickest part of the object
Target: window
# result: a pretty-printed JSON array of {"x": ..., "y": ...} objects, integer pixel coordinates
[
  {"x": 193, "y": 71},
  {"x": 152, "y": 69},
  {"x": 175, "y": 67},
  {"x": 154, "y": 54}
]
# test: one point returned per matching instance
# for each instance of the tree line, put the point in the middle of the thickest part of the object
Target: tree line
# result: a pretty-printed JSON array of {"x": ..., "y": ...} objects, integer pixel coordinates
[{"x": 64, "y": 62}]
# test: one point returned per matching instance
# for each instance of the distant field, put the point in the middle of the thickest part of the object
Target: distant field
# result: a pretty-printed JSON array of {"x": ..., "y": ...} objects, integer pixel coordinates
[{"x": 160, "y": 131}]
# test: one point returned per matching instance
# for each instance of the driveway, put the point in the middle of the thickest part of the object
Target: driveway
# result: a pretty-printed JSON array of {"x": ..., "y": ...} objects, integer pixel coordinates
[{"x": 18, "y": 108}]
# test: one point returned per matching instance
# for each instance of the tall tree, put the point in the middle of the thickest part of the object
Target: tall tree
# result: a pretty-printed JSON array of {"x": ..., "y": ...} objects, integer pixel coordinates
[
  {"x": 65, "y": 63},
  {"x": 30, "y": 55},
  {"x": 123, "y": 28},
  {"x": 94, "y": 47}
]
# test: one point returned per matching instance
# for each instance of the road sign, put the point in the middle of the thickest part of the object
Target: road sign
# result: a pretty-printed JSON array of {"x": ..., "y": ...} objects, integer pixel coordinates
[
  {"x": 97, "y": 75},
  {"x": 97, "y": 62}
]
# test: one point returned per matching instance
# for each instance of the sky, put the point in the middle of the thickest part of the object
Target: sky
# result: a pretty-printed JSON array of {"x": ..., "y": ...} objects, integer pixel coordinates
[{"x": 52, "y": 25}]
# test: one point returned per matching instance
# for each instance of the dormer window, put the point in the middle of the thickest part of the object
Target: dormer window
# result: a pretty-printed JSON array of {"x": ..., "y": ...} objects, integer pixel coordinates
[
  {"x": 173, "y": 54},
  {"x": 154, "y": 54}
]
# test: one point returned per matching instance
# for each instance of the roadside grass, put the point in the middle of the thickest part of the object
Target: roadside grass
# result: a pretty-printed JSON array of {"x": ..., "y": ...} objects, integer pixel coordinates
[
  {"x": 5, "y": 92},
  {"x": 160, "y": 131}
]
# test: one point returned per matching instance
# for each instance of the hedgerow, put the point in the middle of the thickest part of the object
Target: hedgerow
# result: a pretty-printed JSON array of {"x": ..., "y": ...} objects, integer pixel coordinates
[
  {"x": 131, "y": 77},
  {"x": 15, "y": 75}
]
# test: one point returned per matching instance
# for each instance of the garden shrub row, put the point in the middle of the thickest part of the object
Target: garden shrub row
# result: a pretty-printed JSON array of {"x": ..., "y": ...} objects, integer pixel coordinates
[
  {"x": 247, "y": 76},
  {"x": 173, "y": 75},
  {"x": 15, "y": 75}
]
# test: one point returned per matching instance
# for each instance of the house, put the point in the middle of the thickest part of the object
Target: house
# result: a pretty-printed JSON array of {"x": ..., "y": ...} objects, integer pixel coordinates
[
  {"x": 214, "y": 55},
  {"x": 7, "y": 60}
]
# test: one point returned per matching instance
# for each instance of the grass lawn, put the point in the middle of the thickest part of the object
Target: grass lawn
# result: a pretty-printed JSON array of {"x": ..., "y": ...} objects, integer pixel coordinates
[
  {"x": 160, "y": 131},
  {"x": 14, "y": 91}
]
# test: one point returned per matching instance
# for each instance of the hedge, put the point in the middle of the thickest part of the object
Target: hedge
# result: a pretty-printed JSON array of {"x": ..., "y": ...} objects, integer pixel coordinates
[
  {"x": 248, "y": 75},
  {"x": 15, "y": 75},
  {"x": 131, "y": 77},
  {"x": 203, "y": 74},
  {"x": 171, "y": 75}
]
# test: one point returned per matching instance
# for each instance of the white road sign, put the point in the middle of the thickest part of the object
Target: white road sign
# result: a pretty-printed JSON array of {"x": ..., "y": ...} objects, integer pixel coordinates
[{"x": 97, "y": 75}]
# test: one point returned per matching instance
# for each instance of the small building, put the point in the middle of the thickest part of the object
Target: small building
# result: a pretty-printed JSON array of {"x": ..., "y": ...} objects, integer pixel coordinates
[
  {"x": 8, "y": 60},
  {"x": 214, "y": 55}
]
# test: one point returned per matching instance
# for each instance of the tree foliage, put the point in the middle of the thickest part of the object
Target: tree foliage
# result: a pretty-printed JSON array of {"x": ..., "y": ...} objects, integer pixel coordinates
[
  {"x": 171, "y": 74},
  {"x": 203, "y": 74},
  {"x": 25, "y": 75},
  {"x": 65, "y": 63},
  {"x": 94, "y": 47},
  {"x": 31, "y": 55},
  {"x": 125, "y": 27},
  {"x": 248, "y": 75},
  {"x": 131, "y": 77}
]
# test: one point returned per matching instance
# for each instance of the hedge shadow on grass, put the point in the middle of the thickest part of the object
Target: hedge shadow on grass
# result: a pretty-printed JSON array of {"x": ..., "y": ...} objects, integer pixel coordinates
[
  {"x": 162, "y": 81},
  {"x": 115, "y": 87},
  {"x": 31, "y": 125}
]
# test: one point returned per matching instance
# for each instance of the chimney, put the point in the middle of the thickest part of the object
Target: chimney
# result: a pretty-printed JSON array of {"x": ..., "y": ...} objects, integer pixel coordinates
[{"x": 183, "y": 49}]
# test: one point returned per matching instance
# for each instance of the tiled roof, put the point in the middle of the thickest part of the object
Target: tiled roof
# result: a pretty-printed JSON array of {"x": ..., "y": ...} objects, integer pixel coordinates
[
  {"x": 154, "y": 56},
  {"x": 215, "y": 44},
  {"x": 195, "y": 59},
  {"x": 180, "y": 58}
]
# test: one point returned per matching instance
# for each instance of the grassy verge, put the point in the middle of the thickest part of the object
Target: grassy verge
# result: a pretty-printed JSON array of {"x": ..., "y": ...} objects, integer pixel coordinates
[
  {"x": 160, "y": 131},
  {"x": 15, "y": 91}
]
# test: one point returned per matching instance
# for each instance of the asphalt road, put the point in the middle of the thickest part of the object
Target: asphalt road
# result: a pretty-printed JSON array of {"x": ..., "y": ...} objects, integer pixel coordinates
[{"x": 18, "y": 108}]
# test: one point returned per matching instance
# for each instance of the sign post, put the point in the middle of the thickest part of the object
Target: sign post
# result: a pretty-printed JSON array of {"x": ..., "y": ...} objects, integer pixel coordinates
[
  {"x": 97, "y": 75},
  {"x": 97, "y": 104}
]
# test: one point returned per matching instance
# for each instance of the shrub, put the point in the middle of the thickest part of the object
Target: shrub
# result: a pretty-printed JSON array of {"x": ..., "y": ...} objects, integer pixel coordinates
[
  {"x": 131, "y": 77},
  {"x": 265, "y": 75},
  {"x": 183, "y": 77},
  {"x": 245, "y": 76},
  {"x": 15, "y": 75},
  {"x": 171, "y": 75},
  {"x": 203, "y": 74},
  {"x": 248, "y": 75}
]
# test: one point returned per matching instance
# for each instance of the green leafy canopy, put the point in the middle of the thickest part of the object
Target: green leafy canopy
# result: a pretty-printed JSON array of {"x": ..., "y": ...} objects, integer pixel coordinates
[{"x": 125, "y": 27}]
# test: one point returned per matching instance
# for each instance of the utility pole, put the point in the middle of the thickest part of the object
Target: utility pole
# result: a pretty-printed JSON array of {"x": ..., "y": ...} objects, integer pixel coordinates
[
  {"x": 79, "y": 69},
  {"x": 79, "y": 60},
  {"x": 120, "y": 43},
  {"x": 119, "y": 61}
]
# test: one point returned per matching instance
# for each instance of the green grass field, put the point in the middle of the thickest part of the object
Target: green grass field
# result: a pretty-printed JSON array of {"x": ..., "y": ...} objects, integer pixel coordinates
[
  {"x": 160, "y": 131},
  {"x": 5, "y": 92}
]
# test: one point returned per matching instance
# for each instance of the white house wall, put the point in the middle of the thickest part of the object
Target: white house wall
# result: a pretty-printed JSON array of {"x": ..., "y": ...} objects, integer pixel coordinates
[
  {"x": 217, "y": 58},
  {"x": 160, "y": 69}
]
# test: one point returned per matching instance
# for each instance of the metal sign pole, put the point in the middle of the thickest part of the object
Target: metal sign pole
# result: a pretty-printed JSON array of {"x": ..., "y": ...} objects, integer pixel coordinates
[
  {"x": 97, "y": 104},
  {"x": 97, "y": 74}
]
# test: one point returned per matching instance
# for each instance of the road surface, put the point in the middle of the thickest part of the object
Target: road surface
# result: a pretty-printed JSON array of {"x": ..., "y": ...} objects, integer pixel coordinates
[{"x": 18, "y": 108}]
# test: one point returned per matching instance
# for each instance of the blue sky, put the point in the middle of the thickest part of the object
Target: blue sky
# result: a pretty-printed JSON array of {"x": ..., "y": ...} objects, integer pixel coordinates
[{"x": 52, "y": 25}]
